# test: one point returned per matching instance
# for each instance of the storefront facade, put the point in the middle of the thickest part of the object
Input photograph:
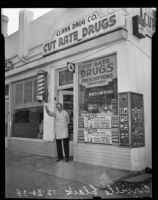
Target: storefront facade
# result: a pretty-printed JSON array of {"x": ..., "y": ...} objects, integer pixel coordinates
[{"x": 107, "y": 94}]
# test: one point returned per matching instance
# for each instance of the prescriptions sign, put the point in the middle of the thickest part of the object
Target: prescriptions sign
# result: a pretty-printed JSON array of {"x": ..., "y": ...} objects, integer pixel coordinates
[{"x": 83, "y": 29}]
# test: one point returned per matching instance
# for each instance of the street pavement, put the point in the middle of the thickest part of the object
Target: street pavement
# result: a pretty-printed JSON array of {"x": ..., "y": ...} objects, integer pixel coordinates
[{"x": 34, "y": 176}]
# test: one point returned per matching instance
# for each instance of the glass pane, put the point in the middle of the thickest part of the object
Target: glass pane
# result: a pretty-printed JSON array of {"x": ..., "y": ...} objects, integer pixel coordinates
[
  {"x": 6, "y": 118},
  {"x": 24, "y": 93},
  {"x": 137, "y": 120},
  {"x": 6, "y": 90},
  {"x": 28, "y": 91},
  {"x": 34, "y": 89},
  {"x": 65, "y": 77},
  {"x": 22, "y": 116},
  {"x": 68, "y": 106},
  {"x": 28, "y": 123},
  {"x": 19, "y": 93},
  {"x": 98, "y": 101}
]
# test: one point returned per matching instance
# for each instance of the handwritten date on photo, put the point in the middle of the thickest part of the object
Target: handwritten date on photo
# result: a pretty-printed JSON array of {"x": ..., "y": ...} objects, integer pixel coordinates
[
  {"x": 33, "y": 192},
  {"x": 84, "y": 191}
]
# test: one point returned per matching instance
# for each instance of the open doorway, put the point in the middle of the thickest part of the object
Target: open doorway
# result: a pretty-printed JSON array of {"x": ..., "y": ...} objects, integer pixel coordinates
[{"x": 66, "y": 98}]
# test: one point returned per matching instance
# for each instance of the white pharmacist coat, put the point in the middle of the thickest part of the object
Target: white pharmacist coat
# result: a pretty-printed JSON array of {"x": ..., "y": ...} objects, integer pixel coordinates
[{"x": 62, "y": 121}]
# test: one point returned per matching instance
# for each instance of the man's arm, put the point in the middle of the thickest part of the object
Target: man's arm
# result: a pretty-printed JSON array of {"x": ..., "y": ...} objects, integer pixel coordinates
[
  {"x": 50, "y": 113},
  {"x": 67, "y": 117}
]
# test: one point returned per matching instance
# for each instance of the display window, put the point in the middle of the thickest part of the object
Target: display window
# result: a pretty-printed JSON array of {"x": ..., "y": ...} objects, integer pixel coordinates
[
  {"x": 6, "y": 108},
  {"x": 27, "y": 112},
  {"x": 28, "y": 123},
  {"x": 98, "y": 101},
  {"x": 24, "y": 93},
  {"x": 6, "y": 117},
  {"x": 6, "y": 91}
]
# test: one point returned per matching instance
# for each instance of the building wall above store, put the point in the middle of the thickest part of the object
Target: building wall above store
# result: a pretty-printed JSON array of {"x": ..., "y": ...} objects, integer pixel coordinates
[
  {"x": 4, "y": 25},
  {"x": 144, "y": 43},
  {"x": 43, "y": 29}
]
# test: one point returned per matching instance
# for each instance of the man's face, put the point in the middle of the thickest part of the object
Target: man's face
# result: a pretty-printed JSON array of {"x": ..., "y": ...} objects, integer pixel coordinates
[{"x": 59, "y": 107}]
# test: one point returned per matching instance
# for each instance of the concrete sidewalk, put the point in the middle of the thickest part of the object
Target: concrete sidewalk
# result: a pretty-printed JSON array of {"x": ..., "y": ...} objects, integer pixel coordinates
[{"x": 33, "y": 176}]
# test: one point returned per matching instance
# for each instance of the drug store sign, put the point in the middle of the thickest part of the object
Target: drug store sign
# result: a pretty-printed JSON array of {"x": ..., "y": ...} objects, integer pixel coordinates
[
  {"x": 98, "y": 72},
  {"x": 83, "y": 29},
  {"x": 149, "y": 17}
]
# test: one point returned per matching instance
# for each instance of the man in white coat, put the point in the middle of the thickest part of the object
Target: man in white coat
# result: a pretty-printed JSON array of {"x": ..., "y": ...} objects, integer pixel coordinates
[{"x": 62, "y": 121}]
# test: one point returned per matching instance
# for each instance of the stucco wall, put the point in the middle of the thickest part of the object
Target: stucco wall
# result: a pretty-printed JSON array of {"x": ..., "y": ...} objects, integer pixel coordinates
[
  {"x": 139, "y": 62},
  {"x": 140, "y": 81},
  {"x": 143, "y": 44},
  {"x": 48, "y": 24},
  {"x": 11, "y": 45},
  {"x": 43, "y": 28},
  {"x": 134, "y": 75},
  {"x": 138, "y": 160}
]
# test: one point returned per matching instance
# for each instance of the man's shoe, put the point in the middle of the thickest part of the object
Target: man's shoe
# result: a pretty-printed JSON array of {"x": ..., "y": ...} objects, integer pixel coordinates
[
  {"x": 66, "y": 160},
  {"x": 59, "y": 159}
]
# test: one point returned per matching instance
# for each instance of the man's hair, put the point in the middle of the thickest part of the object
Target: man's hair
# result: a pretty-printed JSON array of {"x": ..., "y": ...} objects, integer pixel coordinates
[{"x": 59, "y": 104}]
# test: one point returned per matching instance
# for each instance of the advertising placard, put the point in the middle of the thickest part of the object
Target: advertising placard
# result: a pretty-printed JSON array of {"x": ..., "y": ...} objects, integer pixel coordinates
[
  {"x": 115, "y": 131},
  {"x": 97, "y": 121},
  {"x": 124, "y": 119},
  {"x": 81, "y": 122},
  {"x": 131, "y": 119},
  {"x": 97, "y": 128},
  {"x": 137, "y": 120},
  {"x": 98, "y": 136},
  {"x": 81, "y": 134}
]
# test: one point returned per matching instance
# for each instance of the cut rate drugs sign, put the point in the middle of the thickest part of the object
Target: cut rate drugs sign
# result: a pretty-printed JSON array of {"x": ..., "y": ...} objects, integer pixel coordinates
[{"x": 83, "y": 29}]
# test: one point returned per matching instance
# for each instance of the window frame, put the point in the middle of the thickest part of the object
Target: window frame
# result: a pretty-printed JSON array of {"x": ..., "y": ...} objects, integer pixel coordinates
[{"x": 25, "y": 104}]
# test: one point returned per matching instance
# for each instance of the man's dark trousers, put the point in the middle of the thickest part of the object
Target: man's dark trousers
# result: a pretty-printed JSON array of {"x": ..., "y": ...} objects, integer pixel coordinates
[{"x": 66, "y": 148}]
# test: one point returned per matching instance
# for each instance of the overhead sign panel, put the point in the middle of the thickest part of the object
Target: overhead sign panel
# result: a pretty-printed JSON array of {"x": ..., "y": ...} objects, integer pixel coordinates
[
  {"x": 83, "y": 29},
  {"x": 139, "y": 27}
]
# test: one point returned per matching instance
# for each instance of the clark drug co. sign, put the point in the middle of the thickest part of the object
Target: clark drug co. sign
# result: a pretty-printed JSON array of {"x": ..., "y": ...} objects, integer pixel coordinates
[{"x": 83, "y": 29}]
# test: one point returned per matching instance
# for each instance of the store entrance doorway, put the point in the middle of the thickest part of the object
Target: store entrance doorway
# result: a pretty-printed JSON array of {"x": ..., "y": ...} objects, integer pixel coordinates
[{"x": 66, "y": 98}]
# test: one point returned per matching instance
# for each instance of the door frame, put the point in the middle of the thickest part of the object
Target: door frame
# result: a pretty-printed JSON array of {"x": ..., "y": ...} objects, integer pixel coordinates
[
  {"x": 68, "y": 92},
  {"x": 60, "y": 89},
  {"x": 62, "y": 92},
  {"x": 6, "y": 121}
]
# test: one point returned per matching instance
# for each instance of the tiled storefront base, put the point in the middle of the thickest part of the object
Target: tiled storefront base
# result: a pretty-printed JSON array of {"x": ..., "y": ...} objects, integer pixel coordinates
[
  {"x": 124, "y": 158},
  {"x": 6, "y": 142},
  {"x": 103, "y": 155},
  {"x": 34, "y": 146}
]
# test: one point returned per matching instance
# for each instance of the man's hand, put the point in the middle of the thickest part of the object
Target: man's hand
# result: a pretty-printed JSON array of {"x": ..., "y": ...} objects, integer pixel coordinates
[
  {"x": 50, "y": 113},
  {"x": 46, "y": 107}
]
